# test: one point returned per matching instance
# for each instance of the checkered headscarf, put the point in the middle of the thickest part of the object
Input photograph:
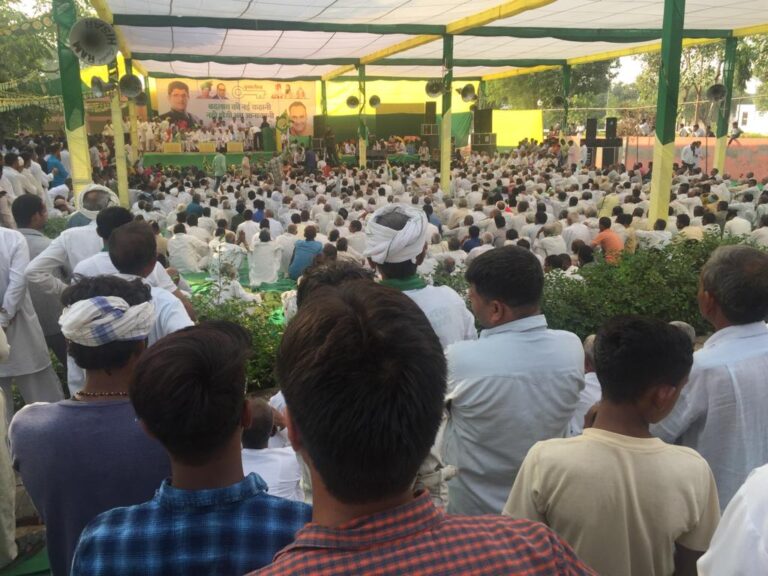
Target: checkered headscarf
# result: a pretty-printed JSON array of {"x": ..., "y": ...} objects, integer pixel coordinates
[{"x": 104, "y": 319}]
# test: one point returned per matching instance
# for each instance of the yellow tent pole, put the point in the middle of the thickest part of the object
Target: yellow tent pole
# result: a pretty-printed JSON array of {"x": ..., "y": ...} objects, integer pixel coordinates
[
  {"x": 121, "y": 165},
  {"x": 133, "y": 119}
]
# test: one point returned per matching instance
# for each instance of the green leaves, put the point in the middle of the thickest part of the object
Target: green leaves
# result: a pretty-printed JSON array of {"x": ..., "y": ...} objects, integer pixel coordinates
[{"x": 658, "y": 283}]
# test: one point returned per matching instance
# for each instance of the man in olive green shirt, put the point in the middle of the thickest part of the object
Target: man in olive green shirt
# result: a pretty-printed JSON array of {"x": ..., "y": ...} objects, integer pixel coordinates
[{"x": 219, "y": 169}]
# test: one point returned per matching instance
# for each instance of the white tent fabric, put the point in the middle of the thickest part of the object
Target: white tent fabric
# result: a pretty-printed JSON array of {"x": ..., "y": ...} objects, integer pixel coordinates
[
  {"x": 321, "y": 46},
  {"x": 350, "y": 11}
]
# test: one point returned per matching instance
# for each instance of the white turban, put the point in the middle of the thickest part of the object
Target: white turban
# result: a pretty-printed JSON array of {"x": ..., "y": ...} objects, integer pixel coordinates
[
  {"x": 104, "y": 319},
  {"x": 91, "y": 214},
  {"x": 383, "y": 244}
]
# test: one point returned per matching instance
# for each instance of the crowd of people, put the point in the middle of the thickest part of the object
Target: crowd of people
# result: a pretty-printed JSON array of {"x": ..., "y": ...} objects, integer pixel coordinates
[{"x": 410, "y": 435}]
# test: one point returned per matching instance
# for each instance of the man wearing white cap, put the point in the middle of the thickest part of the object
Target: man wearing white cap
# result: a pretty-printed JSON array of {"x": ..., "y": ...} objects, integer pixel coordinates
[
  {"x": 73, "y": 245},
  {"x": 396, "y": 244}
]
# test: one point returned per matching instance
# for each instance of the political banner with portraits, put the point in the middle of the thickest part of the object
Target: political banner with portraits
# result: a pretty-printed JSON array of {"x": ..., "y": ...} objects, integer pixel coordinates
[{"x": 196, "y": 103}]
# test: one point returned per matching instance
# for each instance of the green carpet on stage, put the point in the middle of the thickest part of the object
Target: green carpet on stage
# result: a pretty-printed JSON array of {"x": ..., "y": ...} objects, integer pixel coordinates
[{"x": 199, "y": 160}]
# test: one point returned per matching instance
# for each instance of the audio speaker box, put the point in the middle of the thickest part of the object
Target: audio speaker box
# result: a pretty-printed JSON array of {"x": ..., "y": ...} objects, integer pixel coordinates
[
  {"x": 484, "y": 121},
  {"x": 591, "y": 129},
  {"x": 430, "y": 113},
  {"x": 611, "y": 124}
]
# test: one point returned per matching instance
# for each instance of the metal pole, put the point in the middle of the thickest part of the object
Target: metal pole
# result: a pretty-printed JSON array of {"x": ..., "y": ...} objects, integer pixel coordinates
[
  {"x": 121, "y": 165},
  {"x": 566, "y": 96},
  {"x": 133, "y": 119},
  {"x": 666, "y": 108},
  {"x": 65, "y": 15},
  {"x": 362, "y": 143},
  {"x": 724, "y": 110},
  {"x": 445, "y": 128}
]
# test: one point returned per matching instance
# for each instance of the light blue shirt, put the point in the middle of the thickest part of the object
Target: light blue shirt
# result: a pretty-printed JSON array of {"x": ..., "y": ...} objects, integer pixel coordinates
[
  {"x": 722, "y": 412},
  {"x": 515, "y": 386}
]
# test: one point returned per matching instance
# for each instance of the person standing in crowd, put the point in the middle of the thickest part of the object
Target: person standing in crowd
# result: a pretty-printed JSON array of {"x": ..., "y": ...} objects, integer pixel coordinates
[
  {"x": 219, "y": 169},
  {"x": 721, "y": 412},
  {"x": 106, "y": 321},
  {"x": 29, "y": 364},
  {"x": 31, "y": 215},
  {"x": 500, "y": 404},
  {"x": 341, "y": 406},
  {"x": 658, "y": 501},
  {"x": 207, "y": 517}
]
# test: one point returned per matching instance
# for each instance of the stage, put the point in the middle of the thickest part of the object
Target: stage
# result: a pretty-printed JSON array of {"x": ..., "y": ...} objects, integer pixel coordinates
[{"x": 205, "y": 161}]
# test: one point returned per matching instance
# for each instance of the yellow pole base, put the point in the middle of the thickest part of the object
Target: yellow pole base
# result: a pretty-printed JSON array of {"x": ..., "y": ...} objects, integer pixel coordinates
[
  {"x": 120, "y": 160},
  {"x": 445, "y": 152},
  {"x": 661, "y": 181}
]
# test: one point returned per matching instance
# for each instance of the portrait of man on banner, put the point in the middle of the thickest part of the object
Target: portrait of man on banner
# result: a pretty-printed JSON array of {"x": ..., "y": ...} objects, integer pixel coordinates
[{"x": 178, "y": 100}]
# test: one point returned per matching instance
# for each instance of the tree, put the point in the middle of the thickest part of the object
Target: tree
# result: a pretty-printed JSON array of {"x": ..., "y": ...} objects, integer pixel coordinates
[
  {"x": 24, "y": 53},
  {"x": 589, "y": 87}
]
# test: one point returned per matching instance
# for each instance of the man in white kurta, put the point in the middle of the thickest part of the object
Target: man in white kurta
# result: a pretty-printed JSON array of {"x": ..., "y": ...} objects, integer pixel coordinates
[
  {"x": 722, "y": 411},
  {"x": 29, "y": 364},
  {"x": 740, "y": 544},
  {"x": 519, "y": 383},
  {"x": 264, "y": 260},
  {"x": 186, "y": 253}
]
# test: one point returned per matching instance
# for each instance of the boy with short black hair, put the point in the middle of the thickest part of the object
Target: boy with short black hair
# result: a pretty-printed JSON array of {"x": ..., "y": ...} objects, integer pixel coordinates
[
  {"x": 188, "y": 391},
  {"x": 656, "y": 503}
]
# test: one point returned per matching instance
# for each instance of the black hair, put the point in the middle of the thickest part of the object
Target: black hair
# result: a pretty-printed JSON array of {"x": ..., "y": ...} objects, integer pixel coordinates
[
  {"x": 364, "y": 378},
  {"x": 179, "y": 229},
  {"x": 132, "y": 248},
  {"x": 510, "y": 274},
  {"x": 189, "y": 388},
  {"x": 256, "y": 436},
  {"x": 111, "y": 218},
  {"x": 112, "y": 355},
  {"x": 24, "y": 209},
  {"x": 622, "y": 349},
  {"x": 329, "y": 274}
]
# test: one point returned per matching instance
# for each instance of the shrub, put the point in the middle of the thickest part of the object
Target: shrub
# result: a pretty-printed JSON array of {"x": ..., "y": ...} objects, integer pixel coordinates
[
  {"x": 54, "y": 226},
  {"x": 264, "y": 323},
  {"x": 658, "y": 283}
]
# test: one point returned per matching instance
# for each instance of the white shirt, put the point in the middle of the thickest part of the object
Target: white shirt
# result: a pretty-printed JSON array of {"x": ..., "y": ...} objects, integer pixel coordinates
[
  {"x": 100, "y": 264},
  {"x": 264, "y": 261},
  {"x": 740, "y": 544},
  {"x": 737, "y": 226},
  {"x": 547, "y": 245},
  {"x": 446, "y": 312},
  {"x": 722, "y": 410},
  {"x": 250, "y": 228},
  {"x": 503, "y": 402},
  {"x": 760, "y": 236},
  {"x": 279, "y": 468},
  {"x": 170, "y": 316},
  {"x": 590, "y": 396},
  {"x": 186, "y": 253},
  {"x": 576, "y": 231},
  {"x": 67, "y": 251}
]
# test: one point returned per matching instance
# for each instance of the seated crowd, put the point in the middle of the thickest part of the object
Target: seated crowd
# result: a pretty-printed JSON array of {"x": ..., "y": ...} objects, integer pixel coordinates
[{"x": 409, "y": 435}]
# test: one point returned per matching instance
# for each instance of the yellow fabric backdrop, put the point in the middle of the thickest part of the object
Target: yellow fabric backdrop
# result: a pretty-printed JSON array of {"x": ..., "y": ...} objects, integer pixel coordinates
[{"x": 511, "y": 126}]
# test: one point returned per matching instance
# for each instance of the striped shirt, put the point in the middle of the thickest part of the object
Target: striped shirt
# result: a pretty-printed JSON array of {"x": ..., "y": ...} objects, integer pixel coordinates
[{"x": 417, "y": 538}]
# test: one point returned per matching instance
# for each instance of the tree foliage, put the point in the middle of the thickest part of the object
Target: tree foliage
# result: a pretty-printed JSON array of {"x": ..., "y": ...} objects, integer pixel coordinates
[
  {"x": 590, "y": 84},
  {"x": 23, "y": 53}
]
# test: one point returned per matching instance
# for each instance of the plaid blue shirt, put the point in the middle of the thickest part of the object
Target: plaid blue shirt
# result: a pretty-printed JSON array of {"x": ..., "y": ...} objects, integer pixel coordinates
[{"x": 226, "y": 531}]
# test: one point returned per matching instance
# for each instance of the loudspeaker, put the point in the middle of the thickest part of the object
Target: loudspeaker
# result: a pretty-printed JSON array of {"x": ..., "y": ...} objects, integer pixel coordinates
[
  {"x": 485, "y": 139},
  {"x": 319, "y": 126},
  {"x": 430, "y": 130},
  {"x": 611, "y": 124},
  {"x": 430, "y": 113},
  {"x": 484, "y": 121},
  {"x": 591, "y": 129}
]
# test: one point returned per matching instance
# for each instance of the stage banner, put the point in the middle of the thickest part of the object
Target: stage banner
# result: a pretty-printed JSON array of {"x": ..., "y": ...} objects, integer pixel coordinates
[{"x": 194, "y": 103}]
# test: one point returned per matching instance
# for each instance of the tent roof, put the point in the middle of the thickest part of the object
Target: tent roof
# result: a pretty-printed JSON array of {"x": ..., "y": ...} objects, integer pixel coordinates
[{"x": 313, "y": 39}]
